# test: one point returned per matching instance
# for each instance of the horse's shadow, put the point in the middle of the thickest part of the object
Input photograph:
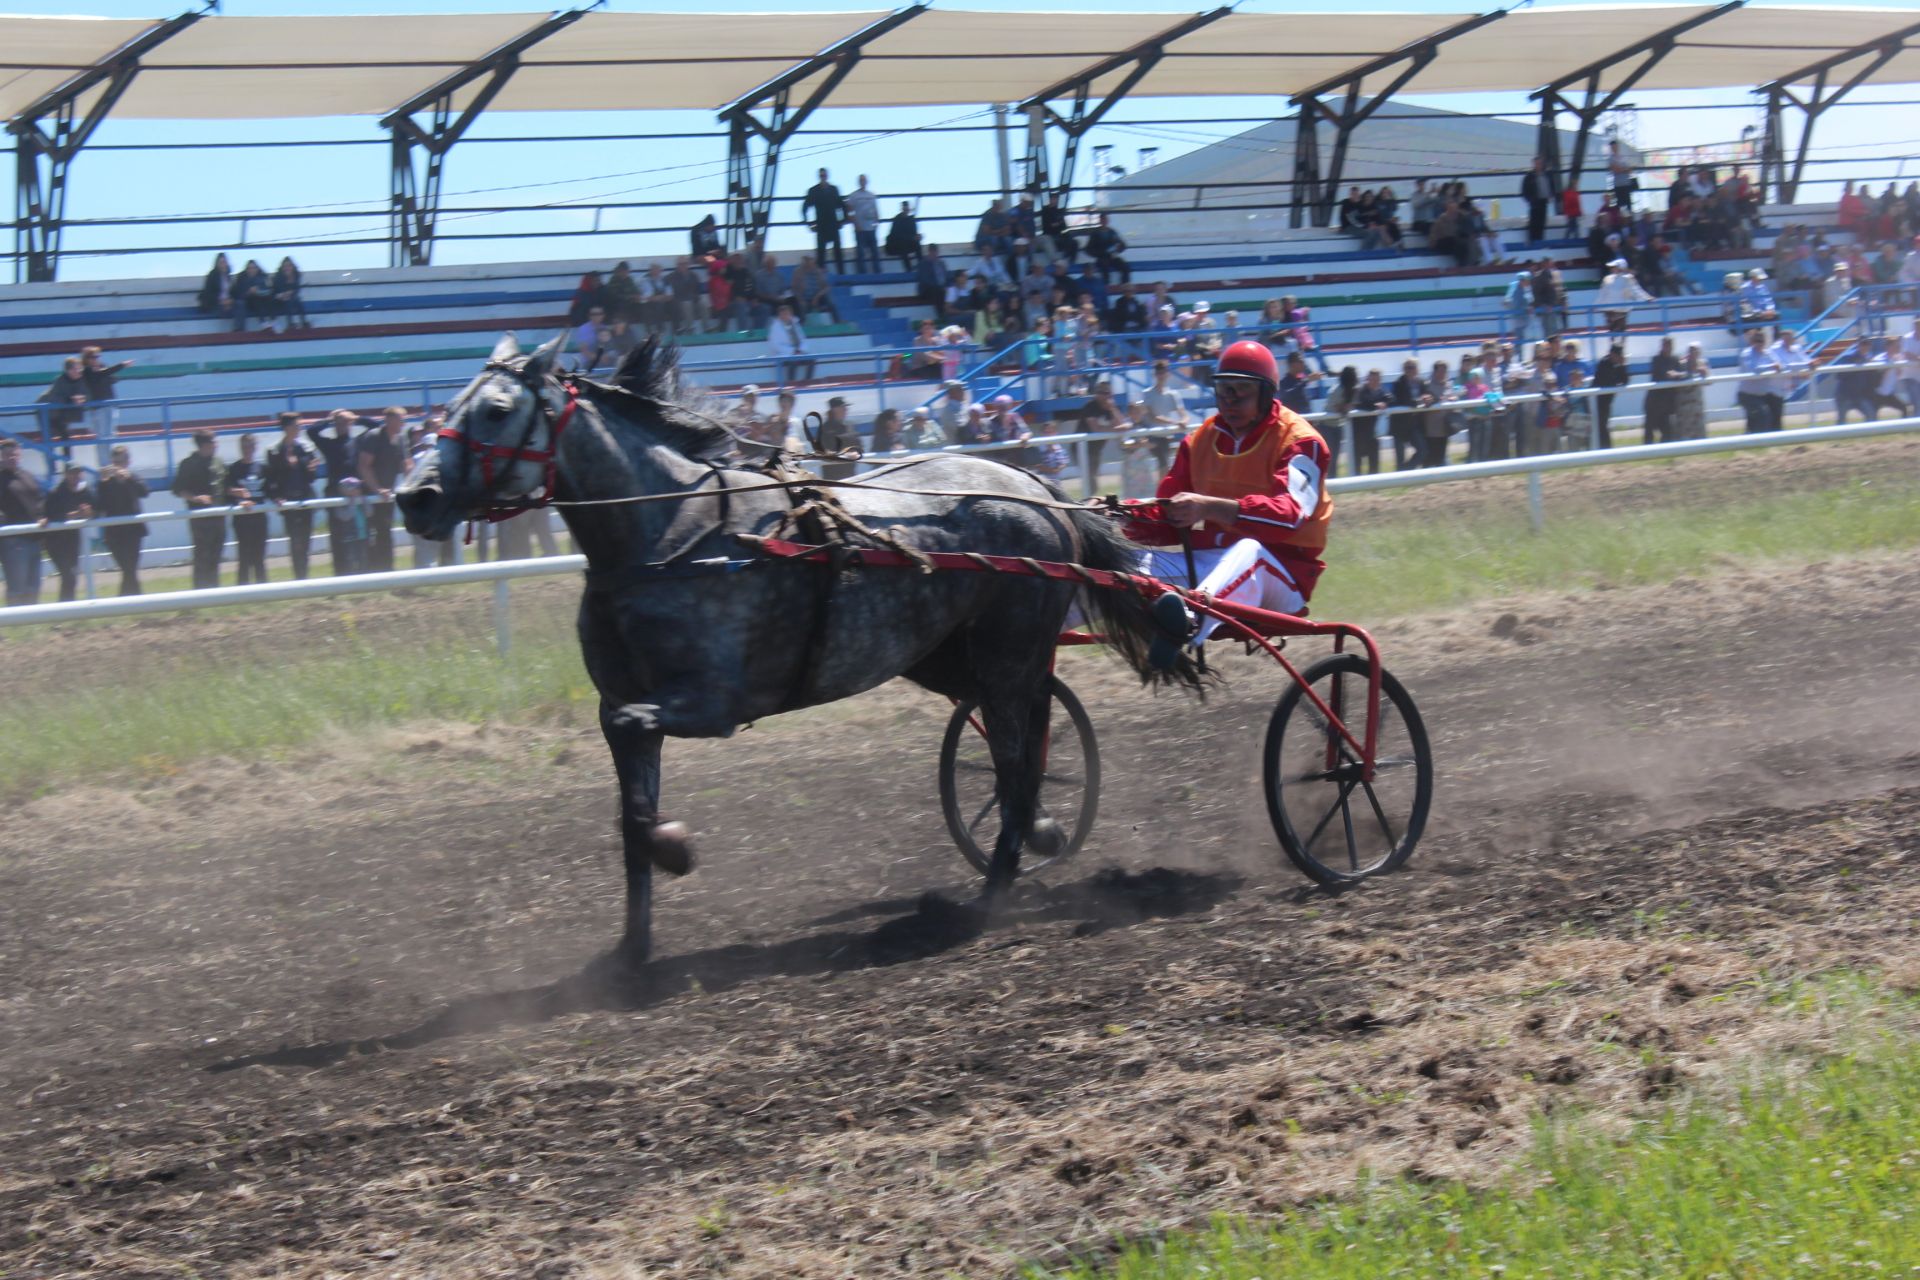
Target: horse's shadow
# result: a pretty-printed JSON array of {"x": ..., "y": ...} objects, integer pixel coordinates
[{"x": 1109, "y": 899}]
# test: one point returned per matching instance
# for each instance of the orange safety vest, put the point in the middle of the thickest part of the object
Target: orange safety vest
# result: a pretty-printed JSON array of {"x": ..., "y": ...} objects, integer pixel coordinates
[{"x": 1252, "y": 469}]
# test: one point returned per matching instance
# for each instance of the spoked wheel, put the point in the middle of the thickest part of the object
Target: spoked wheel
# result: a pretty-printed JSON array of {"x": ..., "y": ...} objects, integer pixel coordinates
[
  {"x": 1069, "y": 784},
  {"x": 1335, "y": 824}
]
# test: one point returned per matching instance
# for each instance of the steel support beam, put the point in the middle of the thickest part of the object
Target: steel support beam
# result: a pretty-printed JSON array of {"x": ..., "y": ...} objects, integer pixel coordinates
[
  {"x": 50, "y": 133},
  {"x": 750, "y": 193},
  {"x": 1136, "y": 62},
  {"x": 1317, "y": 193},
  {"x": 1775, "y": 173},
  {"x": 416, "y": 190},
  {"x": 1594, "y": 103}
]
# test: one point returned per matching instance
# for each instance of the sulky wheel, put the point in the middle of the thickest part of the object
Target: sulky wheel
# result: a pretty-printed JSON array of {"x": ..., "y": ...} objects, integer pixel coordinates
[
  {"x": 1069, "y": 785},
  {"x": 1335, "y": 825}
]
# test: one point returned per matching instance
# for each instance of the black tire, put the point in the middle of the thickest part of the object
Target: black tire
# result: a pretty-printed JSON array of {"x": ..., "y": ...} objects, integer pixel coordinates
[
  {"x": 1305, "y": 795},
  {"x": 966, "y": 784}
]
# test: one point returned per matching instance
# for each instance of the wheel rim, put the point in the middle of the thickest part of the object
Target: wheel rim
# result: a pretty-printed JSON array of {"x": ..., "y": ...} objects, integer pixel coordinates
[
  {"x": 1069, "y": 783},
  {"x": 1336, "y": 823}
]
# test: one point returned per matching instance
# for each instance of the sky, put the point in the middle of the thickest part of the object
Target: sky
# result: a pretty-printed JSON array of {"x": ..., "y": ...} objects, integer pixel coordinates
[{"x": 691, "y": 163}]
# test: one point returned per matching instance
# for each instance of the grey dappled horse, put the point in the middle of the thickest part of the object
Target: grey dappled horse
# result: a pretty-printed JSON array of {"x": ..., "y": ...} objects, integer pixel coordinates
[{"x": 681, "y": 640}]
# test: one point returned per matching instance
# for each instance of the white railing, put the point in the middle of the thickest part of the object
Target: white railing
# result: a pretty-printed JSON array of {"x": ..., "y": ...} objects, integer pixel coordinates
[{"x": 501, "y": 573}]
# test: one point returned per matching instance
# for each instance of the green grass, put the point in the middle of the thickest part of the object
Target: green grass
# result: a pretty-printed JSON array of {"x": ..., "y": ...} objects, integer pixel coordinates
[
  {"x": 1384, "y": 565},
  {"x": 1817, "y": 1175}
]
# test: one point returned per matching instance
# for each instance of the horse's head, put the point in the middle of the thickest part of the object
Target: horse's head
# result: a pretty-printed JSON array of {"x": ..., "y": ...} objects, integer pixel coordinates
[{"x": 497, "y": 445}]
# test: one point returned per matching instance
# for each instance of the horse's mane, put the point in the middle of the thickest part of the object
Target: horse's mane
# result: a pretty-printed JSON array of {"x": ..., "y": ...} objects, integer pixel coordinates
[{"x": 648, "y": 381}]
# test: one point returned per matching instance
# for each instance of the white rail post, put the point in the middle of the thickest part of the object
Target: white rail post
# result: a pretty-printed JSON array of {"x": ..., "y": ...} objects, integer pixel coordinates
[
  {"x": 502, "y": 616},
  {"x": 1536, "y": 504},
  {"x": 1090, "y": 487}
]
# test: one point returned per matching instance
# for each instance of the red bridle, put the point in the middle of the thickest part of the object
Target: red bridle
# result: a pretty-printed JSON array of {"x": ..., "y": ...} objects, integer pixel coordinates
[{"x": 547, "y": 459}]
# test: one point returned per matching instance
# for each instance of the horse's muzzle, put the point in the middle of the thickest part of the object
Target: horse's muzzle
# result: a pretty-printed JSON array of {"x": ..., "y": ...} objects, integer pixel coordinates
[{"x": 425, "y": 511}]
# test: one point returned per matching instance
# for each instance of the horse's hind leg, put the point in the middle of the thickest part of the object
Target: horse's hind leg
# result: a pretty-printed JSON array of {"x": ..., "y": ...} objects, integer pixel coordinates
[
  {"x": 635, "y": 742},
  {"x": 1016, "y": 722}
]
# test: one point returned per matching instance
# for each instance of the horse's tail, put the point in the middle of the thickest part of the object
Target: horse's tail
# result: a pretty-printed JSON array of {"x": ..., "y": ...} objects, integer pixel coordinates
[{"x": 1122, "y": 616}]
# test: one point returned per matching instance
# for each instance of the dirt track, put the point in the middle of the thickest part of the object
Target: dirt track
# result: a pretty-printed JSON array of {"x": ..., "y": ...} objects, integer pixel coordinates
[{"x": 325, "y": 1036}]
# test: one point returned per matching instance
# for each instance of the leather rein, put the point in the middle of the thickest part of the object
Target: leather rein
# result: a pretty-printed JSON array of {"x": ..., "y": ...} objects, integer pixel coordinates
[{"x": 495, "y": 510}]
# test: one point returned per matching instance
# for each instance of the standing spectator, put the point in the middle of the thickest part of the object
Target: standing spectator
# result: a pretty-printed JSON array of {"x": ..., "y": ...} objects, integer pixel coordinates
[
  {"x": 787, "y": 343},
  {"x": 828, "y": 212},
  {"x": 380, "y": 455},
  {"x": 704, "y": 239},
  {"x": 197, "y": 481},
  {"x": 1519, "y": 302},
  {"x": 1538, "y": 189},
  {"x": 101, "y": 391},
  {"x": 1759, "y": 393},
  {"x": 245, "y": 485},
  {"x": 838, "y": 436},
  {"x": 1892, "y": 387},
  {"x": 903, "y": 238},
  {"x": 863, "y": 210},
  {"x": 1620, "y": 169},
  {"x": 252, "y": 293},
  {"x": 1339, "y": 417},
  {"x": 67, "y": 404},
  {"x": 1298, "y": 386},
  {"x": 1549, "y": 298},
  {"x": 1440, "y": 423},
  {"x": 1099, "y": 415},
  {"x": 590, "y": 293},
  {"x": 1408, "y": 426},
  {"x": 21, "y": 502},
  {"x": 1796, "y": 366},
  {"x": 1613, "y": 372},
  {"x": 216, "y": 291},
  {"x": 292, "y": 467},
  {"x": 1910, "y": 368},
  {"x": 71, "y": 499},
  {"x": 1857, "y": 380},
  {"x": 1571, "y": 208},
  {"x": 1664, "y": 371},
  {"x": 283, "y": 295},
  {"x": 1104, "y": 246},
  {"x": 1618, "y": 292},
  {"x": 1689, "y": 420},
  {"x": 813, "y": 290},
  {"x": 1165, "y": 408},
  {"x": 1368, "y": 401},
  {"x": 1053, "y": 224},
  {"x": 120, "y": 494}
]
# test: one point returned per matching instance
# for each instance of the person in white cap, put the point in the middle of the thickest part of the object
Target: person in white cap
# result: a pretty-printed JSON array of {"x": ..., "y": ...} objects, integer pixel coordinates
[
  {"x": 1618, "y": 292},
  {"x": 1756, "y": 299},
  {"x": 1836, "y": 287},
  {"x": 1203, "y": 315},
  {"x": 950, "y": 411}
]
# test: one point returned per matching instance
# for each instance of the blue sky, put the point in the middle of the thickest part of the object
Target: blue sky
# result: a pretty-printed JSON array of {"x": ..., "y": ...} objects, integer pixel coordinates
[{"x": 233, "y": 182}]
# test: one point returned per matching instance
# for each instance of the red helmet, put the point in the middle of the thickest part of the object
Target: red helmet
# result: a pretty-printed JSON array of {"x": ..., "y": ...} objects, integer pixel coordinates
[{"x": 1249, "y": 360}]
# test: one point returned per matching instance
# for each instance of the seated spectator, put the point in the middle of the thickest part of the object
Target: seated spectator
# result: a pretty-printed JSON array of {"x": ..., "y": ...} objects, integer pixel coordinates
[
  {"x": 1352, "y": 212},
  {"x": 903, "y": 238},
  {"x": 252, "y": 293},
  {"x": 617, "y": 340},
  {"x": 1384, "y": 229},
  {"x": 1104, "y": 246},
  {"x": 659, "y": 308},
  {"x": 1801, "y": 270},
  {"x": 787, "y": 344},
  {"x": 1836, "y": 287},
  {"x": 954, "y": 342},
  {"x": 886, "y": 433},
  {"x": 921, "y": 431},
  {"x": 591, "y": 293},
  {"x": 1487, "y": 248},
  {"x": 932, "y": 280},
  {"x": 705, "y": 238},
  {"x": 216, "y": 291},
  {"x": 838, "y": 436},
  {"x": 1756, "y": 299},
  {"x": 741, "y": 312},
  {"x": 692, "y": 303},
  {"x": 994, "y": 234},
  {"x": 813, "y": 290},
  {"x": 1053, "y": 226},
  {"x": 746, "y": 418},
  {"x": 950, "y": 411},
  {"x": 1128, "y": 314},
  {"x": 960, "y": 302},
  {"x": 67, "y": 401},
  {"x": 1423, "y": 206},
  {"x": 588, "y": 338},
  {"x": 1449, "y": 234},
  {"x": 620, "y": 295},
  {"x": 923, "y": 362},
  {"x": 283, "y": 294},
  {"x": 990, "y": 327},
  {"x": 770, "y": 291}
]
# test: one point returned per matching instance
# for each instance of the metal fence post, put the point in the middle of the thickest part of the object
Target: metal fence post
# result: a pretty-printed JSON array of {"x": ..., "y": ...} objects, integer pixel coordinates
[
  {"x": 86, "y": 560},
  {"x": 1087, "y": 481},
  {"x": 502, "y": 616},
  {"x": 1536, "y": 504}
]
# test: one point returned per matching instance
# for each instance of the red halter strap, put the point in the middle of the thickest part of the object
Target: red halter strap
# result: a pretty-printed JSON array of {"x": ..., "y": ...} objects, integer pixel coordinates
[{"x": 547, "y": 458}]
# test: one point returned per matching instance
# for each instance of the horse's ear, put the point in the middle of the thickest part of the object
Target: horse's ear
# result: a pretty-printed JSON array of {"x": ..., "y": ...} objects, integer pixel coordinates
[
  {"x": 545, "y": 354},
  {"x": 506, "y": 349}
]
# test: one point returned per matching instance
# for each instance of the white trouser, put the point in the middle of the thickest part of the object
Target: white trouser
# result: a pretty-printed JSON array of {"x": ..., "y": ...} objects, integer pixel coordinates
[{"x": 1244, "y": 573}]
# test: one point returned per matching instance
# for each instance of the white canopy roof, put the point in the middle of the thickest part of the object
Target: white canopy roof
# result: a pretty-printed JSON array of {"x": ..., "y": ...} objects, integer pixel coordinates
[{"x": 230, "y": 67}]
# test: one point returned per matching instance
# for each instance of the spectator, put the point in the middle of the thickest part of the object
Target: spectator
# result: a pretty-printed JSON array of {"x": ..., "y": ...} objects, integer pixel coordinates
[
  {"x": 742, "y": 308},
  {"x": 590, "y": 337},
  {"x": 67, "y": 404},
  {"x": 1664, "y": 370},
  {"x": 692, "y": 308},
  {"x": 950, "y": 410},
  {"x": 1519, "y": 303},
  {"x": 1386, "y": 211},
  {"x": 659, "y": 309},
  {"x": 1613, "y": 372},
  {"x": 101, "y": 390},
  {"x": 245, "y": 487},
  {"x": 1164, "y": 408},
  {"x": 616, "y": 341},
  {"x": 347, "y": 530},
  {"x": 1424, "y": 205},
  {"x": 591, "y": 294},
  {"x": 291, "y": 468},
  {"x": 1910, "y": 368},
  {"x": 787, "y": 344},
  {"x": 903, "y": 238},
  {"x": 1759, "y": 392},
  {"x": 1408, "y": 426},
  {"x": 993, "y": 235},
  {"x": 1572, "y": 210},
  {"x": 922, "y": 432},
  {"x": 620, "y": 297},
  {"x": 1339, "y": 416},
  {"x": 1910, "y": 265},
  {"x": 826, "y": 212},
  {"x": 1104, "y": 246},
  {"x": 1368, "y": 401},
  {"x": 1689, "y": 420},
  {"x": 1298, "y": 386},
  {"x": 332, "y": 439},
  {"x": 1618, "y": 292},
  {"x": 252, "y": 292},
  {"x": 838, "y": 436},
  {"x": 960, "y": 302},
  {"x": 863, "y": 211},
  {"x": 1486, "y": 245},
  {"x": 216, "y": 290},
  {"x": 1620, "y": 170},
  {"x": 931, "y": 277},
  {"x": 380, "y": 455},
  {"x": 746, "y": 417},
  {"x": 1053, "y": 225},
  {"x": 704, "y": 239},
  {"x": 1099, "y": 416},
  {"x": 1567, "y": 361},
  {"x": 120, "y": 493},
  {"x": 21, "y": 502},
  {"x": 1796, "y": 364},
  {"x": 1756, "y": 299},
  {"x": 813, "y": 290},
  {"x": 197, "y": 481},
  {"x": 71, "y": 499},
  {"x": 1128, "y": 314},
  {"x": 1440, "y": 423},
  {"x": 283, "y": 296},
  {"x": 770, "y": 291},
  {"x": 886, "y": 423},
  {"x": 1835, "y": 289},
  {"x": 1448, "y": 234},
  {"x": 1351, "y": 219}
]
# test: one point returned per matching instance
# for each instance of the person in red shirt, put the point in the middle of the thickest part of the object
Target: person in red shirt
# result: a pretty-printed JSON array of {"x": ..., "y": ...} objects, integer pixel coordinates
[{"x": 1247, "y": 492}]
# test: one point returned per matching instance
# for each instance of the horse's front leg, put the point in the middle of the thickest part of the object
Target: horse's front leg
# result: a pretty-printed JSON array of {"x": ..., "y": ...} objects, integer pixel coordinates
[{"x": 634, "y": 737}]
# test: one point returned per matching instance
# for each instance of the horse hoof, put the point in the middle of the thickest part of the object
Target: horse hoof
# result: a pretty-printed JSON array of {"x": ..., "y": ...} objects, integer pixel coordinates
[
  {"x": 1047, "y": 838},
  {"x": 670, "y": 848}
]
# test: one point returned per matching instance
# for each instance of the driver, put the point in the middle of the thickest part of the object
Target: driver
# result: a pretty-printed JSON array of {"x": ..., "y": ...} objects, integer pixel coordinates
[{"x": 1248, "y": 489}]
